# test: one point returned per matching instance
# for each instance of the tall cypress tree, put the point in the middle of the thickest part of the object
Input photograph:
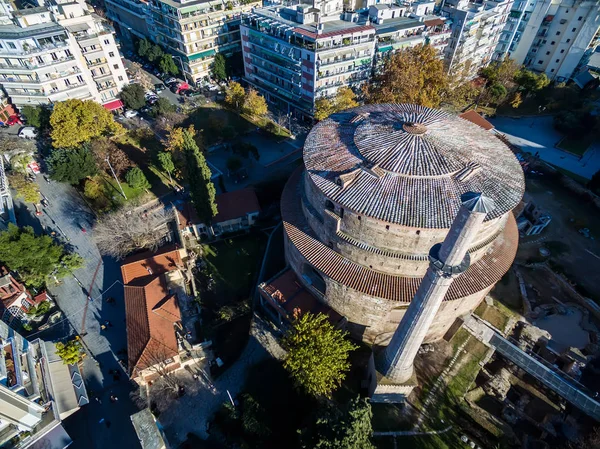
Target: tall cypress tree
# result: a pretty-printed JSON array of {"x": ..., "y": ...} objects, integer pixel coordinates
[{"x": 202, "y": 190}]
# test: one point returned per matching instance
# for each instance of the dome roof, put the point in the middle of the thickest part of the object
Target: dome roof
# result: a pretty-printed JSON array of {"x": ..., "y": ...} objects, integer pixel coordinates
[{"x": 409, "y": 165}]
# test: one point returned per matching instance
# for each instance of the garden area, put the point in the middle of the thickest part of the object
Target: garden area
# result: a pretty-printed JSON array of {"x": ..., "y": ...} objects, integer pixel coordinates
[{"x": 226, "y": 282}]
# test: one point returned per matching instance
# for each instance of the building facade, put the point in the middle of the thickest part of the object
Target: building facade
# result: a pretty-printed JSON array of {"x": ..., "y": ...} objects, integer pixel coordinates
[
  {"x": 7, "y": 208},
  {"x": 58, "y": 51},
  {"x": 476, "y": 30},
  {"x": 555, "y": 37},
  {"x": 382, "y": 185}
]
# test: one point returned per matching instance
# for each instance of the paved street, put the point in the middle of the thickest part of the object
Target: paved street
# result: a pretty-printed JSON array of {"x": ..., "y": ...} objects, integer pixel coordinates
[
  {"x": 100, "y": 278},
  {"x": 536, "y": 134}
]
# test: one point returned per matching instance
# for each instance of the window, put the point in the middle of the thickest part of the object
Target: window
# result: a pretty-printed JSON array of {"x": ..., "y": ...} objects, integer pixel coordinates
[
  {"x": 558, "y": 60},
  {"x": 11, "y": 45},
  {"x": 568, "y": 40},
  {"x": 540, "y": 62},
  {"x": 552, "y": 43},
  {"x": 359, "y": 218},
  {"x": 111, "y": 55},
  {"x": 116, "y": 66},
  {"x": 563, "y": 50},
  {"x": 418, "y": 232},
  {"x": 387, "y": 227},
  {"x": 67, "y": 82},
  {"x": 558, "y": 33},
  {"x": 120, "y": 78},
  {"x": 573, "y": 30},
  {"x": 547, "y": 53},
  {"x": 552, "y": 71},
  {"x": 580, "y": 18},
  {"x": 80, "y": 78},
  {"x": 106, "y": 41}
]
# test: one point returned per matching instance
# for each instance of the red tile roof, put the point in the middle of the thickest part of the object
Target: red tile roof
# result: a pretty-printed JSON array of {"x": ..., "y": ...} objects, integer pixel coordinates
[
  {"x": 236, "y": 204},
  {"x": 289, "y": 294},
  {"x": 481, "y": 275},
  {"x": 149, "y": 264},
  {"x": 151, "y": 313},
  {"x": 434, "y": 22},
  {"x": 474, "y": 117}
]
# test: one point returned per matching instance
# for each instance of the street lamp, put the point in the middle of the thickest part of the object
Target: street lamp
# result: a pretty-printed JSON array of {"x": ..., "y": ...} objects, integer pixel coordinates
[{"x": 116, "y": 179}]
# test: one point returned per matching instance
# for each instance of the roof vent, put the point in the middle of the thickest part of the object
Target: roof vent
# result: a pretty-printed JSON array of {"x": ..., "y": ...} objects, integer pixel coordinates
[
  {"x": 345, "y": 179},
  {"x": 414, "y": 128}
]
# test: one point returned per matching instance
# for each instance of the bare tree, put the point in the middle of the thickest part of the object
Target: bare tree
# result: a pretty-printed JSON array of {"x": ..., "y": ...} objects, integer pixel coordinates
[
  {"x": 126, "y": 230},
  {"x": 138, "y": 74}
]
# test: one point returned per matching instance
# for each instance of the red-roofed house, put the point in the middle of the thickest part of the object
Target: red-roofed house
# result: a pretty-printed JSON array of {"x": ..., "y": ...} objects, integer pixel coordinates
[
  {"x": 237, "y": 210},
  {"x": 152, "y": 313},
  {"x": 16, "y": 299},
  {"x": 477, "y": 119}
]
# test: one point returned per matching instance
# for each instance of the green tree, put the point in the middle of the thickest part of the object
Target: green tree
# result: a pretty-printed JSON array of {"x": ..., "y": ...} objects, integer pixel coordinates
[
  {"x": 19, "y": 162},
  {"x": 344, "y": 99},
  {"x": 154, "y": 53},
  {"x": 166, "y": 162},
  {"x": 93, "y": 188},
  {"x": 348, "y": 427},
  {"x": 531, "y": 82},
  {"x": 75, "y": 121},
  {"x": 324, "y": 107},
  {"x": 497, "y": 92},
  {"x": 202, "y": 190},
  {"x": 143, "y": 47},
  {"x": 219, "y": 68},
  {"x": 40, "y": 310},
  {"x": 412, "y": 75},
  {"x": 235, "y": 95},
  {"x": 167, "y": 65},
  {"x": 72, "y": 165},
  {"x": 136, "y": 178},
  {"x": 25, "y": 189},
  {"x": 517, "y": 100},
  {"x": 255, "y": 104},
  {"x": 245, "y": 149},
  {"x": 317, "y": 356},
  {"x": 161, "y": 107},
  {"x": 38, "y": 116},
  {"x": 35, "y": 258},
  {"x": 133, "y": 96},
  {"x": 70, "y": 352}
]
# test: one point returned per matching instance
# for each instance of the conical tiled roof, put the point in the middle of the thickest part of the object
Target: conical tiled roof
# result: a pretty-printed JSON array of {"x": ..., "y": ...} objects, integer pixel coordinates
[{"x": 410, "y": 165}]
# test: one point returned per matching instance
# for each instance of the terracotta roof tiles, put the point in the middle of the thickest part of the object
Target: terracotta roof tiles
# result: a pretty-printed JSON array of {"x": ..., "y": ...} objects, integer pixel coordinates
[{"x": 150, "y": 264}]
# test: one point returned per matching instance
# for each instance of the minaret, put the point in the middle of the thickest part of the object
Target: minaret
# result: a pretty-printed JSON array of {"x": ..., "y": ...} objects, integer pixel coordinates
[{"x": 447, "y": 261}]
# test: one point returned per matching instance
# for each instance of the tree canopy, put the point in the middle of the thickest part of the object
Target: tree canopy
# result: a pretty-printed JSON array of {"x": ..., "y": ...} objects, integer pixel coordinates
[
  {"x": 35, "y": 258},
  {"x": 344, "y": 99},
  {"x": 348, "y": 427},
  {"x": 38, "y": 116},
  {"x": 74, "y": 122},
  {"x": 531, "y": 82},
  {"x": 317, "y": 356},
  {"x": 235, "y": 95},
  {"x": 219, "y": 67},
  {"x": 133, "y": 96},
  {"x": 25, "y": 189},
  {"x": 161, "y": 107},
  {"x": 165, "y": 159},
  {"x": 143, "y": 46},
  {"x": 71, "y": 165},
  {"x": 167, "y": 65},
  {"x": 202, "y": 190},
  {"x": 412, "y": 75},
  {"x": 255, "y": 104},
  {"x": 103, "y": 148},
  {"x": 70, "y": 352},
  {"x": 136, "y": 178}
]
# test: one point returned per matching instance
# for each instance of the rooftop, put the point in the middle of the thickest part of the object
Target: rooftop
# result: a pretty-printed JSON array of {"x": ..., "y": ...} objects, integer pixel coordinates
[
  {"x": 147, "y": 431},
  {"x": 150, "y": 264},
  {"x": 236, "y": 204},
  {"x": 409, "y": 165},
  {"x": 477, "y": 119},
  {"x": 40, "y": 29},
  {"x": 397, "y": 24}
]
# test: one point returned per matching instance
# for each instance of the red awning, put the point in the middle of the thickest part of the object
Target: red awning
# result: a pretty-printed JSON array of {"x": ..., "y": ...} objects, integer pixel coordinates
[{"x": 112, "y": 105}]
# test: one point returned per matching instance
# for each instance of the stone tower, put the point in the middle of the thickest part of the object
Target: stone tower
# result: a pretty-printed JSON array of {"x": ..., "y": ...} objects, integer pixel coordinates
[{"x": 447, "y": 261}]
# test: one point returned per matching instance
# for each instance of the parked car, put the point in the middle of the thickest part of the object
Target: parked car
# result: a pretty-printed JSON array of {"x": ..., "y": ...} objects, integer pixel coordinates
[
  {"x": 158, "y": 88},
  {"x": 170, "y": 81},
  {"x": 14, "y": 120},
  {"x": 28, "y": 132},
  {"x": 149, "y": 94},
  {"x": 130, "y": 113},
  {"x": 152, "y": 100},
  {"x": 192, "y": 93}
]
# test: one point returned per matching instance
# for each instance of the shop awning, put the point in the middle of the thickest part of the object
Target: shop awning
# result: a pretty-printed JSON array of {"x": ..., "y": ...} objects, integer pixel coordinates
[{"x": 113, "y": 105}]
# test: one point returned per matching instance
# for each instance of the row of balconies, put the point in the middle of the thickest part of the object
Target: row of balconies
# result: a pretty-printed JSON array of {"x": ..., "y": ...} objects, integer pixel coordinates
[
  {"x": 9, "y": 80},
  {"x": 33, "y": 50},
  {"x": 27, "y": 65}
]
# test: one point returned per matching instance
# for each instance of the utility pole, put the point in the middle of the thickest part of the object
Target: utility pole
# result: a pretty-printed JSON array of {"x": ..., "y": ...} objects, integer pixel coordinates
[{"x": 116, "y": 179}]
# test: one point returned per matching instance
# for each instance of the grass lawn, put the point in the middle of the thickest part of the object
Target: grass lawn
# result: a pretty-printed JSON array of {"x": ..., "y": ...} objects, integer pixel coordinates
[
  {"x": 574, "y": 176},
  {"x": 234, "y": 264},
  {"x": 576, "y": 146},
  {"x": 212, "y": 120},
  {"x": 495, "y": 316}
]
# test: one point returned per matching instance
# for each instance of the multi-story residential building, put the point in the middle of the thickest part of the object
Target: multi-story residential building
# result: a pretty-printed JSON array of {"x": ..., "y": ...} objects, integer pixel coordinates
[
  {"x": 294, "y": 55},
  {"x": 555, "y": 37},
  {"x": 57, "y": 51},
  {"x": 7, "y": 209},
  {"x": 475, "y": 34},
  {"x": 195, "y": 31},
  {"x": 131, "y": 18},
  {"x": 37, "y": 391}
]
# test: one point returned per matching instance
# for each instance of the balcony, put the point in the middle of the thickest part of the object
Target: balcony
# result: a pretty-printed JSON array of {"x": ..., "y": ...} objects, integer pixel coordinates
[
  {"x": 27, "y": 66},
  {"x": 103, "y": 87},
  {"x": 35, "y": 50},
  {"x": 97, "y": 63},
  {"x": 8, "y": 81}
]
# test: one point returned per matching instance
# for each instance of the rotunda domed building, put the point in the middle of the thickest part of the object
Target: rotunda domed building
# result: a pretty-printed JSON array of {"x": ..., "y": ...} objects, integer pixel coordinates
[{"x": 381, "y": 185}]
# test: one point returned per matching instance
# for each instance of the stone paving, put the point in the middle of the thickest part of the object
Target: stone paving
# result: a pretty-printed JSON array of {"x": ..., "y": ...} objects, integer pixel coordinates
[{"x": 178, "y": 421}]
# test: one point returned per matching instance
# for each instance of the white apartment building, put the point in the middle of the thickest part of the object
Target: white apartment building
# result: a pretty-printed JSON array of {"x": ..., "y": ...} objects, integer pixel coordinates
[
  {"x": 555, "y": 37},
  {"x": 58, "y": 51},
  {"x": 476, "y": 29}
]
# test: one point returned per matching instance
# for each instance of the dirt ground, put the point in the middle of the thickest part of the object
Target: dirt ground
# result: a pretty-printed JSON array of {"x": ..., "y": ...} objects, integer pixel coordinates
[{"x": 572, "y": 253}]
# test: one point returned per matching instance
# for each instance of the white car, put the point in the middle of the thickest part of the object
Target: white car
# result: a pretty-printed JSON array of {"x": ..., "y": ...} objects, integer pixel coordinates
[
  {"x": 171, "y": 81},
  {"x": 28, "y": 132},
  {"x": 149, "y": 94},
  {"x": 130, "y": 113}
]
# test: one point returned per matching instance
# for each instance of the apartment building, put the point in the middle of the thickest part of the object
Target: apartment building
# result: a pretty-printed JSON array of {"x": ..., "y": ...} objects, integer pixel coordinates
[
  {"x": 130, "y": 18},
  {"x": 7, "y": 209},
  {"x": 58, "y": 51},
  {"x": 476, "y": 30},
  {"x": 294, "y": 55},
  {"x": 195, "y": 31},
  {"x": 37, "y": 391},
  {"x": 555, "y": 37}
]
